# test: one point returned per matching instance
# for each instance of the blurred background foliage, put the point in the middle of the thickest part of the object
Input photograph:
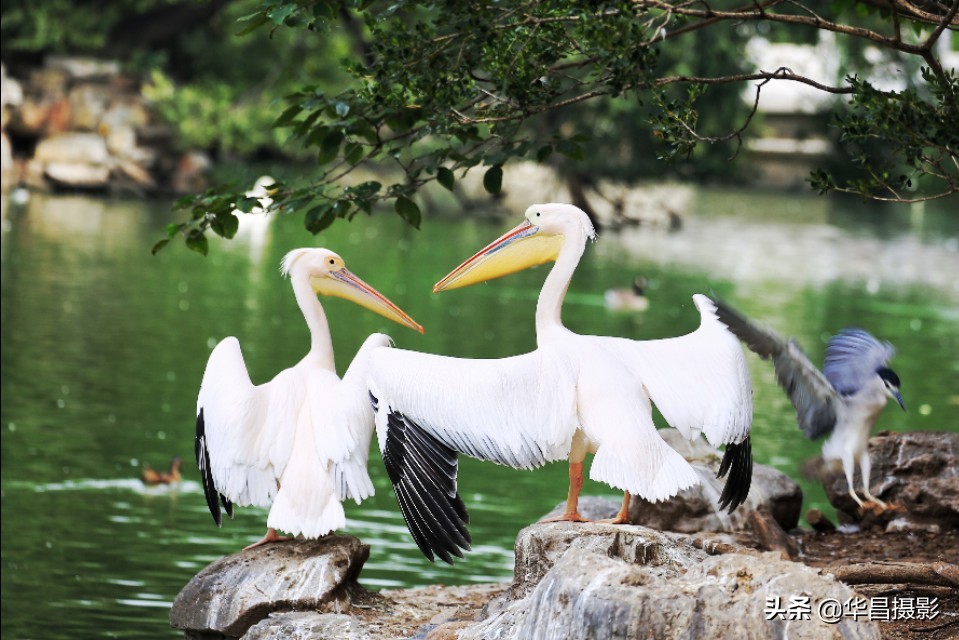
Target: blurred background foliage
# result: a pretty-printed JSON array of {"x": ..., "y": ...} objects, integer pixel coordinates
[{"x": 342, "y": 84}]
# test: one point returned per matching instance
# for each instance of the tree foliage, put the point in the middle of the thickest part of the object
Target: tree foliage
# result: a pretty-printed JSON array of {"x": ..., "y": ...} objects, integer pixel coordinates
[{"x": 439, "y": 89}]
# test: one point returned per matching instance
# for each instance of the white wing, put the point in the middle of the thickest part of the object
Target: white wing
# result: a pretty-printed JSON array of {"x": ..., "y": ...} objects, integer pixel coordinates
[
  {"x": 517, "y": 411},
  {"x": 350, "y": 453},
  {"x": 244, "y": 432},
  {"x": 699, "y": 381}
]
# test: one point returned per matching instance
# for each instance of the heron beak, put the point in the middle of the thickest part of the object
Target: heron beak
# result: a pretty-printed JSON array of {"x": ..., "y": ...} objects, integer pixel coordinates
[
  {"x": 898, "y": 396},
  {"x": 520, "y": 248},
  {"x": 343, "y": 284}
]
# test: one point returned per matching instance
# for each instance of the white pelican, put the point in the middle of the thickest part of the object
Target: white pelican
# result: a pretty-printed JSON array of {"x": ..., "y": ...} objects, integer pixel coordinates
[
  {"x": 574, "y": 394},
  {"x": 300, "y": 441},
  {"x": 844, "y": 400}
]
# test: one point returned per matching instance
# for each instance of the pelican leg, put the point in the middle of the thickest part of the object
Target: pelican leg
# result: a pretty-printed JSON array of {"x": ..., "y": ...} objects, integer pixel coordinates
[
  {"x": 623, "y": 516},
  {"x": 865, "y": 465},
  {"x": 571, "y": 514},
  {"x": 271, "y": 536}
]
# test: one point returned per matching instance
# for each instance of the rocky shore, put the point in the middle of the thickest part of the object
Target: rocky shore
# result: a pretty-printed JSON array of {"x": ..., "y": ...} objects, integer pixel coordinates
[
  {"x": 81, "y": 124},
  {"x": 741, "y": 577}
]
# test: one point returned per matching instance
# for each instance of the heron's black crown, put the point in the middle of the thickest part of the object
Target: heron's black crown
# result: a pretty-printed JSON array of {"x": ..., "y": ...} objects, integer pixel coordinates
[{"x": 889, "y": 376}]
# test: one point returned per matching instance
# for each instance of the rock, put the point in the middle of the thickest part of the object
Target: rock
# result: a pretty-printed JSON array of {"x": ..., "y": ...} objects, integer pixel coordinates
[
  {"x": 308, "y": 625},
  {"x": 236, "y": 592},
  {"x": 125, "y": 113},
  {"x": 695, "y": 509},
  {"x": 11, "y": 96},
  {"x": 76, "y": 175},
  {"x": 818, "y": 521},
  {"x": 916, "y": 473},
  {"x": 607, "y": 581},
  {"x": 539, "y": 546},
  {"x": 88, "y": 103},
  {"x": 426, "y": 613},
  {"x": 76, "y": 148},
  {"x": 7, "y": 167},
  {"x": 83, "y": 68}
]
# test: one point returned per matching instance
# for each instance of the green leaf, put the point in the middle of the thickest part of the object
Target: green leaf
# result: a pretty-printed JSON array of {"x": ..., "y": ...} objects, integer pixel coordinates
[
  {"x": 493, "y": 179},
  {"x": 353, "y": 153},
  {"x": 288, "y": 116},
  {"x": 159, "y": 245},
  {"x": 173, "y": 228},
  {"x": 323, "y": 11},
  {"x": 570, "y": 149},
  {"x": 446, "y": 178},
  {"x": 196, "y": 241},
  {"x": 281, "y": 12},
  {"x": 246, "y": 204},
  {"x": 258, "y": 21},
  {"x": 226, "y": 225},
  {"x": 319, "y": 218},
  {"x": 330, "y": 146},
  {"x": 409, "y": 211},
  {"x": 544, "y": 152}
]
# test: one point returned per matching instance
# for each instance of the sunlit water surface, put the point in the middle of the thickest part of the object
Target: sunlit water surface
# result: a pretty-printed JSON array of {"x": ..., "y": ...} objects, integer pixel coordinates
[{"x": 104, "y": 347}]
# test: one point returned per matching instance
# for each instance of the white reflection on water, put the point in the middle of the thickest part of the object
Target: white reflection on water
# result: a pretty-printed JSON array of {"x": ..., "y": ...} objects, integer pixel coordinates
[
  {"x": 131, "y": 484},
  {"x": 748, "y": 251}
]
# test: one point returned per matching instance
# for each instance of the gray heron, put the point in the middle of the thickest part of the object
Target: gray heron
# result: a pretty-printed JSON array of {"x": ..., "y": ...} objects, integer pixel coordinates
[{"x": 843, "y": 400}]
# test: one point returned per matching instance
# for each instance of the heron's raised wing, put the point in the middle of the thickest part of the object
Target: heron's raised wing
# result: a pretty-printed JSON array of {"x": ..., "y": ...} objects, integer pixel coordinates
[
  {"x": 517, "y": 411},
  {"x": 243, "y": 432},
  {"x": 852, "y": 358},
  {"x": 808, "y": 389}
]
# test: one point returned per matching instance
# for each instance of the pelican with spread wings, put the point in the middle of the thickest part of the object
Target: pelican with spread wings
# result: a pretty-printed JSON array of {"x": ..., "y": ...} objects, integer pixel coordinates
[
  {"x": 299, "y": 442},
  {"x": 575, "y": 394}
]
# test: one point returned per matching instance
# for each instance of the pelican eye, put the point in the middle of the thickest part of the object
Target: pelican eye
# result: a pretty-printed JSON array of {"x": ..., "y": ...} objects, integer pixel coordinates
[{"x": 332, "y": 261}]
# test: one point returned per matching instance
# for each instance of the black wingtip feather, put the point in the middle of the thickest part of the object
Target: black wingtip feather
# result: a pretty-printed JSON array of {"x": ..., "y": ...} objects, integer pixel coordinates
[
  {"x": 213, "y": 498},
  {"x": 423, "y": 473},
  {"x": 738, "y": 462}
]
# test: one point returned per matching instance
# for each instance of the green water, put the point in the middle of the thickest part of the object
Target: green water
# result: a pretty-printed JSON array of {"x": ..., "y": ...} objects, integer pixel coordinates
[{"x": 103, "y": 348}]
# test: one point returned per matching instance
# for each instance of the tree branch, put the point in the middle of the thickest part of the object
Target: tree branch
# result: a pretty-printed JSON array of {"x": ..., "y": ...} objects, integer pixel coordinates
[
  {"x": 761, "y": 14},
  {"x": 940, "y": 573}
]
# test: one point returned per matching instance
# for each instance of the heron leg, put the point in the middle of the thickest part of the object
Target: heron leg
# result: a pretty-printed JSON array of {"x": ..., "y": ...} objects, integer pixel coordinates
[
  {"x": 571, "y": 514},
  {"x": 850, "y": 468},
  {"x": 865, "y": 466},
  {"x": 623, "y": 516},
  {"x": 271, "y": 536}
]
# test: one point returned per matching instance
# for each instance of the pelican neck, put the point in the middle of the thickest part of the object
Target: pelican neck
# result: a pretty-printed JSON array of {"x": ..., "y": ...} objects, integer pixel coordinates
[
  {"x": 549, "y": 307},
  {"x": 321, "y": 343}
]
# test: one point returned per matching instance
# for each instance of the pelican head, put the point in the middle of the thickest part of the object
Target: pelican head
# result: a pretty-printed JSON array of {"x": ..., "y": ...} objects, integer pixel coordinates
[
  {"x": 891, "y": 380},
  {"x": 328, "y": 275},
  {"x": 536, "y": 240}
]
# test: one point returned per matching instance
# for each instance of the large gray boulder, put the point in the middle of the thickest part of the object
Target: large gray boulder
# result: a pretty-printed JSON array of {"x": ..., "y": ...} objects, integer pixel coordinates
[
  {"x": 696, "y": 509},
  {"x": 234, "y": 593},
  {"x": 916, "y": 473},
  {"x": 606, "y": 581}
]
